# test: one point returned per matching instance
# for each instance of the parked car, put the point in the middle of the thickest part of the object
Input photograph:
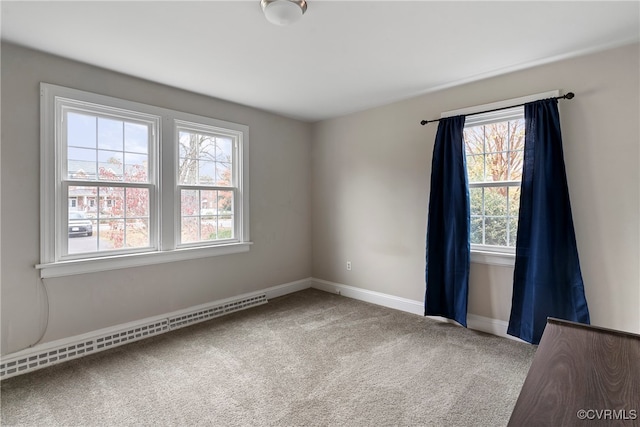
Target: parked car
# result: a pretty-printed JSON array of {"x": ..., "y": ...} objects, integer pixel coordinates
[{"x": 79, "y": 224}]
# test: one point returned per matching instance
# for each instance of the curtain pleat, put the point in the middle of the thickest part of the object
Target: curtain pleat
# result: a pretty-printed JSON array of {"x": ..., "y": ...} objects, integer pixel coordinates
[
  {"x": 547, "y": 277},
  {"x": 448, "y": 246}
]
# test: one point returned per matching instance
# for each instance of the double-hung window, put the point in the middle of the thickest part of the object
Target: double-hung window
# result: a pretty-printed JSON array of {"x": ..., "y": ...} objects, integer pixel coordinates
[
  {"x": 206, "y": 175},
  {"x": 126, "y": 184},
  {"x": 494, "y": 150},
  {"x": 494, "y": 154},
  {"x": 107, "y": 171}
]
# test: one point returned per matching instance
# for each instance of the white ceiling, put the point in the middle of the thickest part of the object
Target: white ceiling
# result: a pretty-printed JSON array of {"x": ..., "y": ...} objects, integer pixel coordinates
[{"x": 342, "y": 57}]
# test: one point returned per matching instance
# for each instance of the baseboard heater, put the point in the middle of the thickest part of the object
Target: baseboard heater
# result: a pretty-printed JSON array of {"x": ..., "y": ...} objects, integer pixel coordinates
[{"x": 72, "y": 348}]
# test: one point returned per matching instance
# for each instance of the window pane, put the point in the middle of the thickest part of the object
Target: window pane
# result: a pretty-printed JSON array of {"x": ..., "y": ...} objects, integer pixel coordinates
[
  {"x": 110, "y": 134},
  {"x": 190, "y": 151},
  {"x": 189, "y": 216},
  {"x": 188, "y": 146},
  {"x": 189, "y": 230},
  {"x": 81, "y": 227},
  {"x": 105, "y": 235},
  {"x": 136, "y": 138},
  {"x": 497, "y": 137},
  {"x": 225, "y": 202},
  {"x": 106, "y": 218},
  {"x": 137, "y": 203},
  {"x": 188, "y": 171},
  {"x": 110, "y": 165},
  {"x": 208, "y": 202},
  {"x": 206, "y": 147},
  {"x": 81, "y": 163},
  {"x": 495, "y": 201},
  {"x": 137, "y": 233},
  {"x": 96, "y": 149},
  {"x": 204, "y": 159},
  {"x": 475, "y": 198},
  {"x": 475, "y": 168},
  {"x": 112, "y": 234},
  {"x": 513, "y": 231},
  {"x": 206, "y": 215},
  {"x": 223, "y": 173},
  {"x": 81, "y": 130},
  {"x": 495, "y": 231},
  {"x": 121, "y": 216},
  {"x": 84, "y": 198},
  {"x": 225, "y": 227},
  {"x": 111, "y": 202},
  {"x": 92, "y": 230},
  {"x": 516, "y": 159},
  {"x": 476, "y": 230},
  {"x": 516, "y": 135},
  {"x": 225, "y": 215},
  {"x": 474, "y": 140},
  {"x": 514, "y": 201},
  {"x": 208, "y": 227},
  {"x": 136, "y": 167},
  {"x": 207, "y": 172},
  {"x": 224, "y": 151},
  {"x": 496, "y": 167},
  {"x": 189, "y": 202}
]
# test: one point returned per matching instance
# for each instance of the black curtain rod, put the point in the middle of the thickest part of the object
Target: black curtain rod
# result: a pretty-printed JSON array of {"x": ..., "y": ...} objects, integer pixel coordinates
[{"x": 569, "y": 95}]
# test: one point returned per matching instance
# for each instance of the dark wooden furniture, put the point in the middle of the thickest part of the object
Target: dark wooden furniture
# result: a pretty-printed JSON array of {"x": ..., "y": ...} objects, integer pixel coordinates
[{"x": 581, "y": 376}]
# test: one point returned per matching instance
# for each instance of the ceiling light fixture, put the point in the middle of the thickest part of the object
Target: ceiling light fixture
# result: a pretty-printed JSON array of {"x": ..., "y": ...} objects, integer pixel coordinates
[{"x": 283, "y": 12}]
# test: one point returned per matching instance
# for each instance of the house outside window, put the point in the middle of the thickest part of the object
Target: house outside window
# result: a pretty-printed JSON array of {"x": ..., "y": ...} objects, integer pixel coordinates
[{"x": 156, "y": 185}]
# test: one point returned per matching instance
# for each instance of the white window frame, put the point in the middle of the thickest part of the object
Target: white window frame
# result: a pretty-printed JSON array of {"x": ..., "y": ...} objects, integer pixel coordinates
[
  {"x": 236, "y": 179},
  {"x": 486, "y": 254},
  {"x": 163, "y": 161},
  {"x": 64, "y": 105}
]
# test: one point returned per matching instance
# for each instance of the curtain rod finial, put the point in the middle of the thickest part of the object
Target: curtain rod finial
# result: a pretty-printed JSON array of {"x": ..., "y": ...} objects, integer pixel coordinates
[{"x": 570, "y": 95}]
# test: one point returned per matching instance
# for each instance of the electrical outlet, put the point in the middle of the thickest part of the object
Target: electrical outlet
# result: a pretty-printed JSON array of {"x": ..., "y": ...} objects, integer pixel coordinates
[{"x": 349, "y": 265}]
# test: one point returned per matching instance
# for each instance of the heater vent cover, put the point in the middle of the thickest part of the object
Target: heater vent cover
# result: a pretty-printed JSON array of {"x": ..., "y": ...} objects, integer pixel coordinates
[
  {"x": 217, "y": 311},
  {"x": 34, "y": 358}
]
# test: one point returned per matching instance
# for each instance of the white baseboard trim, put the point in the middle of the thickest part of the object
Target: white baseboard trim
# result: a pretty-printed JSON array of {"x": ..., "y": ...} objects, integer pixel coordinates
[
  {"x": 490, "y": 326},
  {"x": 287, "y": 288},
  {"x": 386, "y": 300},
  {"x": 475, "y": 322}
]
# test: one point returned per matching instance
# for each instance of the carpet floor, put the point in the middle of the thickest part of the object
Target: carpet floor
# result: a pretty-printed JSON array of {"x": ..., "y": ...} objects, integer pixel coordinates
[{"x": 305, "y": 359}]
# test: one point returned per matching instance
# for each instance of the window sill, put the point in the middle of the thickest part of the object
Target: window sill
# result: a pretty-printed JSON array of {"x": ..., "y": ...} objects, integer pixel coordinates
[
  {"x": 93, "y": 265},
  {"x": 493, "y": 258}
]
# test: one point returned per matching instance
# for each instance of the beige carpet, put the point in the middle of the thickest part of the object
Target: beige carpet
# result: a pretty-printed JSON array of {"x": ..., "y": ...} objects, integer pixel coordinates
[{"x": 305, "y": 359}]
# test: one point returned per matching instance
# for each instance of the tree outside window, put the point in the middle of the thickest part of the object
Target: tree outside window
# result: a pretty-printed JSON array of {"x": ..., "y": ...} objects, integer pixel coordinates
[{"x": 494, "y": 155}]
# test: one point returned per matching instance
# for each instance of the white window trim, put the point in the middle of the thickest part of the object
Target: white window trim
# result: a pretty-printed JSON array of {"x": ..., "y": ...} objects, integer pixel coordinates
[
  {"x": 500, "y": 104},
  {"x": 492, "y": 257},
  {"x": 486, "y": 254},
  {"x": 237, "y": 137},
  {"x": 64, "y": 104},
  {"x": 167, "y": 251}
]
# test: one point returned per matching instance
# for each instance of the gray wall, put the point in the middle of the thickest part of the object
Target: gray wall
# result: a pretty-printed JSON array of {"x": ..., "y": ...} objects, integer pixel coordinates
[
  {"x": 352, "y": 188},
  {"x": 371, "y": 172},
  {"x": 280, "y": 212}
]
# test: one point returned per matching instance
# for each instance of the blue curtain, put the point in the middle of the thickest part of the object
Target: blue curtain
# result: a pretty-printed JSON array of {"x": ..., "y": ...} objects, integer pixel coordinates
[
  {"x": 547, "y": 278},
  {"x": 448, "y": 250}
]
